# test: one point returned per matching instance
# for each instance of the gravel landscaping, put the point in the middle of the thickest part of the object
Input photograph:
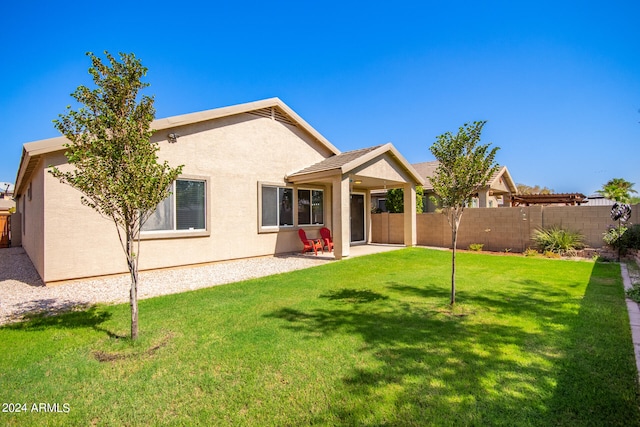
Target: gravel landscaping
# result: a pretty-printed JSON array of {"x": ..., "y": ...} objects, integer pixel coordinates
[{"x": 23, "y": 293}]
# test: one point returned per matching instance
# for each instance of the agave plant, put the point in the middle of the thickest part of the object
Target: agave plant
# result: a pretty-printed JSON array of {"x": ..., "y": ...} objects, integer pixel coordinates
[{"x": 558, "y": 240}]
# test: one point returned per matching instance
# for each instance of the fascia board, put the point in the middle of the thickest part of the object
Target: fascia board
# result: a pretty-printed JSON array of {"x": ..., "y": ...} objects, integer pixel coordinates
[
  {"x": 24, "y": 161},
  {"x": 510, "y": 182},
  {"x": 306, "y": 126},
  {"x": 46, "y": 145},
  {"x": 216, "y": 113},
  {"x": 202, "y": 116},
  {"x": 313, "y": 176},
  {"x": 55, "y": 144}
]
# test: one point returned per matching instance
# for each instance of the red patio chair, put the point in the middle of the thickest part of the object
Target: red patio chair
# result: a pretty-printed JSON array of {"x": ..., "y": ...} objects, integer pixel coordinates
[
  {"x": 310, "y": 245},
  {"x": 326, "y": 238}
]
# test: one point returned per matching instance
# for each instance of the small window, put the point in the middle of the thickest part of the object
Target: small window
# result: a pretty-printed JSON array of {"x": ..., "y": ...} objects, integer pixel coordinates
[
  {"x": 183, "y": 209},
  {"x": 277, "y": 206},
  {"x": 310, "y": 207}
]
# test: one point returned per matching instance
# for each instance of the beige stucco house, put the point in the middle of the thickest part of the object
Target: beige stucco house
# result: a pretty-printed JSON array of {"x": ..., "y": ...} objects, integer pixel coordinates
[
  {"x": 497, "y": 192},
  {"x": 253, "y": 175},
  {"x": 7, "y": 205}
]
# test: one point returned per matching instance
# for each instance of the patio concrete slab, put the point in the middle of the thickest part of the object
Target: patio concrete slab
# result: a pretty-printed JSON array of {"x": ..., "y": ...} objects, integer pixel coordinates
[{"x": 358, "y": 250}]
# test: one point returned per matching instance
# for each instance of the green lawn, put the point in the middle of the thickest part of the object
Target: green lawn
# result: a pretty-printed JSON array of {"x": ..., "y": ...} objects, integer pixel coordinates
[{"x": 366, "y": 341}]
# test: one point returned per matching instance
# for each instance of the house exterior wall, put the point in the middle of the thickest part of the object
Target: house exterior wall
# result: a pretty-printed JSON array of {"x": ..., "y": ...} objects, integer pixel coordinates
[
  {"x": 30, "y": 206},
  {"x": 78, "y": 240},
  {"x": 233, "y": 154},
  {"x": 501, "y": 229}
]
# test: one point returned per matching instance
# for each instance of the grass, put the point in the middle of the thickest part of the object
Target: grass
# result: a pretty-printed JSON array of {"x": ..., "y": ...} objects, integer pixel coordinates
[{"x": 367, "y": 341}]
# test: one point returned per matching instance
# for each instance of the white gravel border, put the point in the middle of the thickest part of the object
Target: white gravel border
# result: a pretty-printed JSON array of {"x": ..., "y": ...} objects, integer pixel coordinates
[{"x": 22, "y": 292}]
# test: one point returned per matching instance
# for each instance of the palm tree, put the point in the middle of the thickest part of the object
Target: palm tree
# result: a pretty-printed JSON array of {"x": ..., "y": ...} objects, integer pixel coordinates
[{"x": 618, "y": 189}]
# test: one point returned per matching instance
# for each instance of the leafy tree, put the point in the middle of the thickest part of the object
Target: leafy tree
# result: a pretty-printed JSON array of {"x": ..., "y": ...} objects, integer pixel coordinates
[
  {"x": 394, "y": 201},
  {"x": 419, "y": 199},
  {"x": 465, "y": 167},
  {"x": 536, "y": 189},
  {"x": 116, "y": 165},
  {"x": 618, "y": 189}
]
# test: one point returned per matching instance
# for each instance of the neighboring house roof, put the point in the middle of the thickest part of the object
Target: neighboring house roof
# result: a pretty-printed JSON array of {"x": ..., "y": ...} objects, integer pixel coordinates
[
  {"x": 273, "y": 108},
  {"x": 350, "y": 160},
  {"x": 427, "y": 169},
  {"x": 6, "y": 204},
  {"x": 598, "y": 200}
]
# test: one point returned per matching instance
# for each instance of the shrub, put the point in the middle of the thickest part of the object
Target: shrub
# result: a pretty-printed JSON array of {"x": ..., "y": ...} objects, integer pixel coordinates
[
  {"x": 632, "y": 237},
  {"x": 613, "y": 235},
  {"x": 633, "y": 293},
  {"x": 531, "y": 252},
  {"x": 477, "y": 247},
  {"x": 550, "y": 254},
  {"x": 623, "y": 237},
  {"x": 558, "y": 240}
]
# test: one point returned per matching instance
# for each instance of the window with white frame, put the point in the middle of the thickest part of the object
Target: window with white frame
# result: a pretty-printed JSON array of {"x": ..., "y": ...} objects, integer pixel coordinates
[
  {"x": 184, "y": 209},
  {"x": 310, "y": 207},
  {"x": 277, "y": 206}
]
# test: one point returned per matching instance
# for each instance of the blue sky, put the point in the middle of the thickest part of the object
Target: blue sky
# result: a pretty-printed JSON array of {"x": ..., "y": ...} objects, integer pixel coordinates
[{"x": 557, "y": 81}]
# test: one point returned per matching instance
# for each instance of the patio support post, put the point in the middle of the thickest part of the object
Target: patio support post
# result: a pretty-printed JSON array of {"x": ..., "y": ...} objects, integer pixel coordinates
[
  {"x": 341, "y": 216},
  {"x": 410, "y": 233},
  {"x": 482, "y": 198}
]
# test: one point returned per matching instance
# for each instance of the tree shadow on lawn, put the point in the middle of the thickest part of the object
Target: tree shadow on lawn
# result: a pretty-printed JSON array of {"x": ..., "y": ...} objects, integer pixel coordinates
[
  {"x": 72, "y": 317},
  {"x": 530, "y": 297},
  {"x": 435, "y": 369},
  {"x": 597, "y": 380},
  {"x": 354, "y": 296}
]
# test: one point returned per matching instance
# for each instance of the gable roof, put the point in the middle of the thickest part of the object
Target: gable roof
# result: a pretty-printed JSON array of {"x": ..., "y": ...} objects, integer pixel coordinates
[
  {"x": 272, "y": 108},
  {"x": 338, "y": 161},
  {"x": 348, "y": 161},
  {"x": 427, "y": 169}
]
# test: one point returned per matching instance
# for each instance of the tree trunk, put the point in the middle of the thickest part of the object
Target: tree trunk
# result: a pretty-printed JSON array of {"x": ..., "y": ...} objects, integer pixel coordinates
[
  {"x": 454, "y": 242},
  {"x": 133, "y": 299}
]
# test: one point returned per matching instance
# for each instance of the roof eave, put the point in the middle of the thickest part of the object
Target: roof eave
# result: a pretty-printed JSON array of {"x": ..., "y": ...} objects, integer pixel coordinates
[{"x": 301, "y": 178}]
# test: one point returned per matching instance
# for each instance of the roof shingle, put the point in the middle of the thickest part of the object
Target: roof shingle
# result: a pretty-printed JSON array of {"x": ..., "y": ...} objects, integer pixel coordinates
[{"x": 335, "y": 162}]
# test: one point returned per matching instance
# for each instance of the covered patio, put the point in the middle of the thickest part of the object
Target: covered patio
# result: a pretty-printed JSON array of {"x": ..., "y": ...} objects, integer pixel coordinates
[{"x": 350, "y": 177}]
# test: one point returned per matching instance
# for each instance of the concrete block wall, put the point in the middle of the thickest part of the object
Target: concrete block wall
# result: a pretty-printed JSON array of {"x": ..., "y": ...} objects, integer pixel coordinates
[
  {"x": 433, "y": 230},
  {"x": 387, "y": 228},
  {"x": 497, "y": 229},
  {"x": 500, "y": 229}
]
